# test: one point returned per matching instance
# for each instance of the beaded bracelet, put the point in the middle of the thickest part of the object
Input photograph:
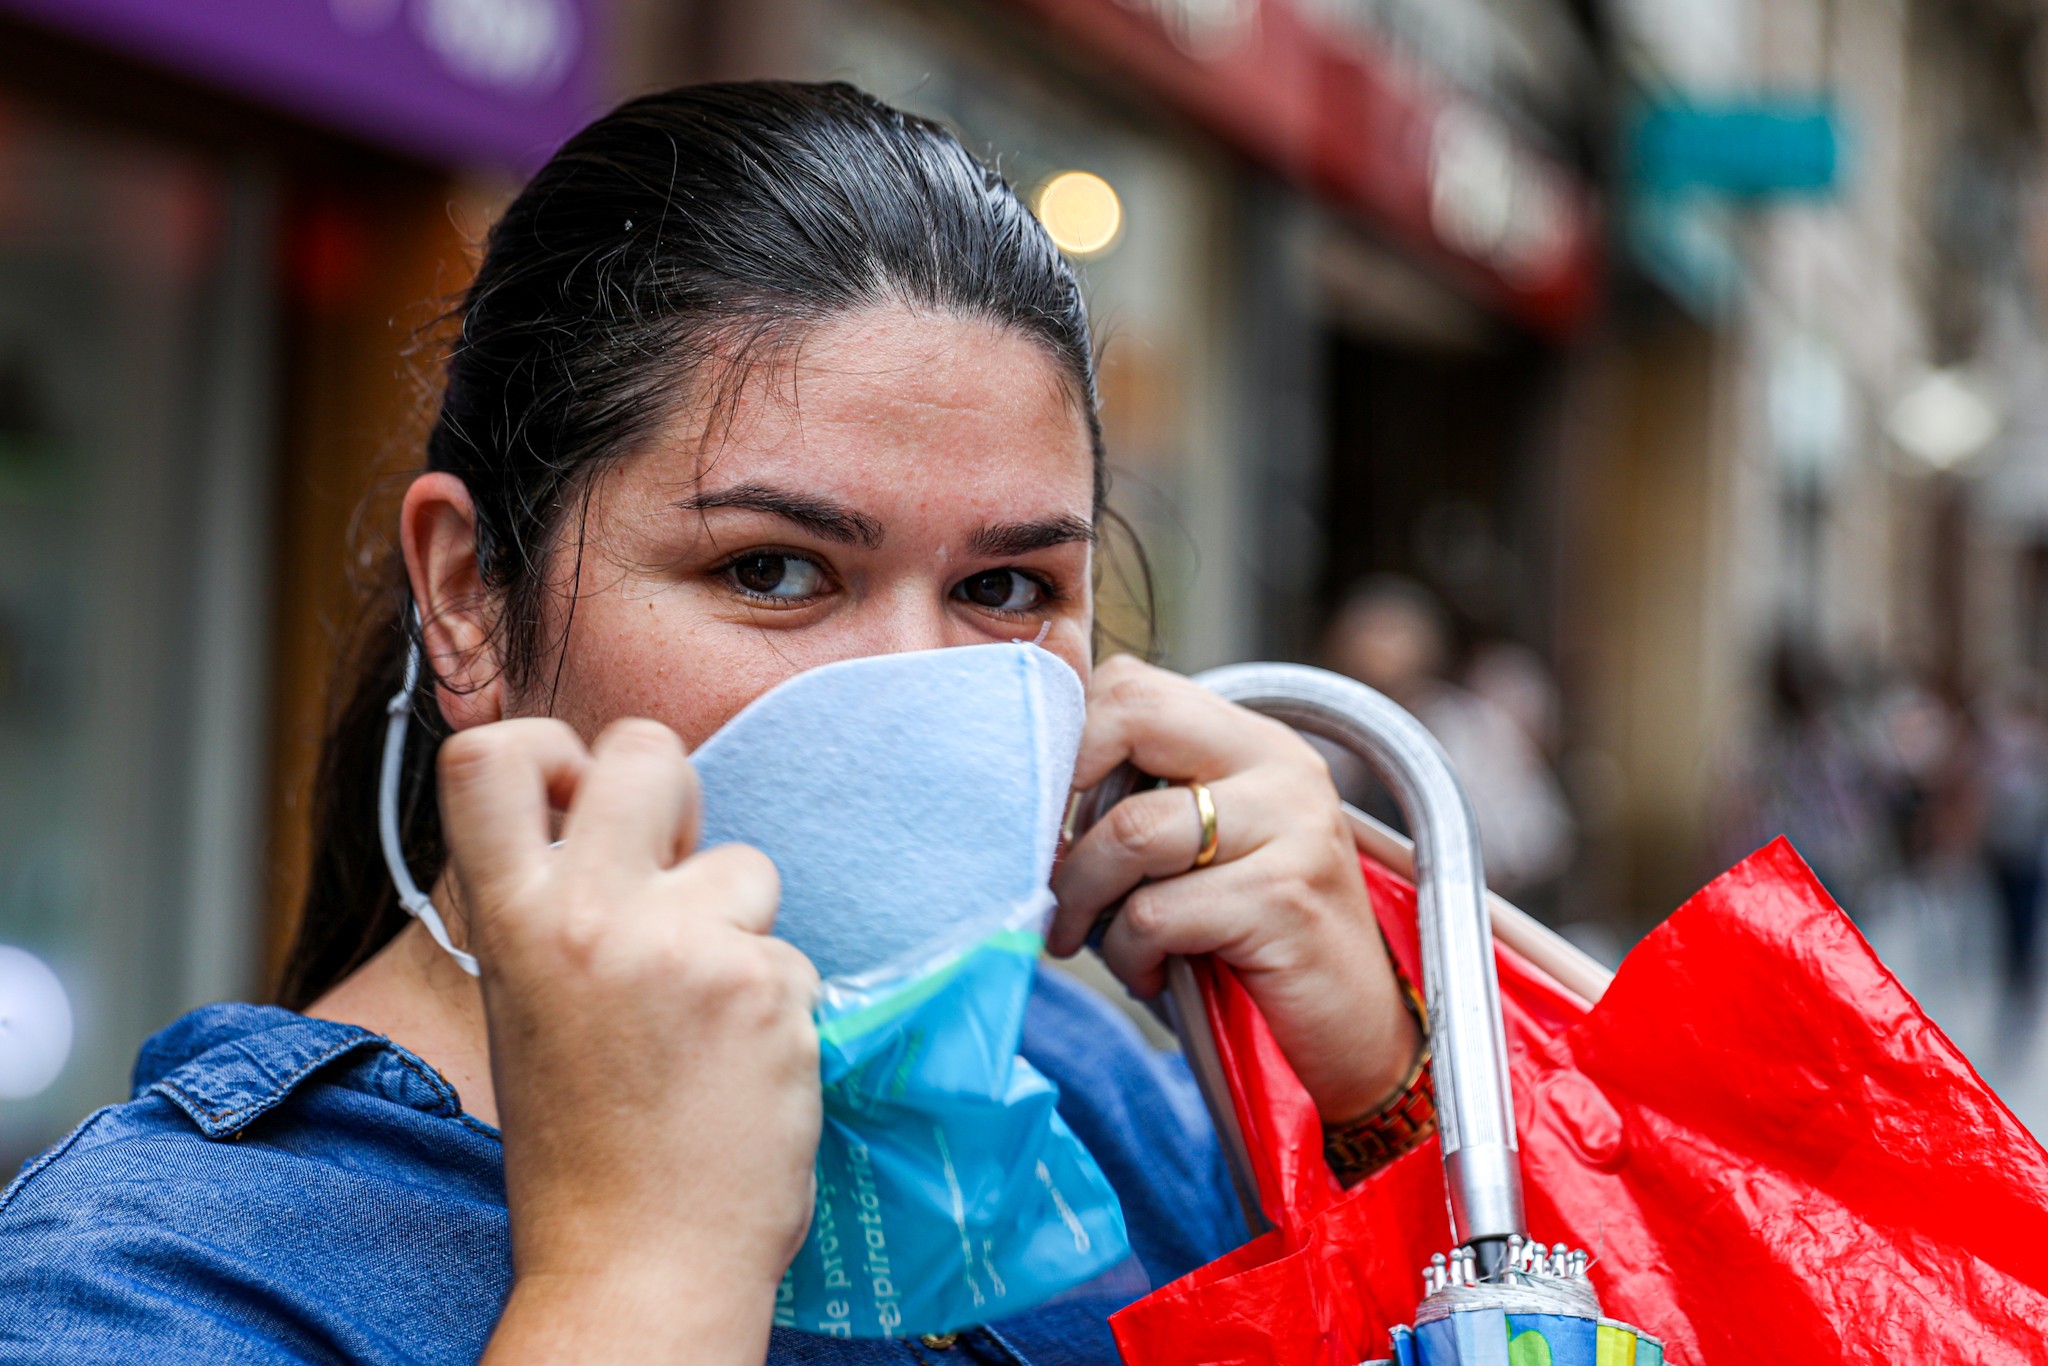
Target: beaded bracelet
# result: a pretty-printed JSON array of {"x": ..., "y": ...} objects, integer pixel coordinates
[{"x": 1403, "y": 1122}]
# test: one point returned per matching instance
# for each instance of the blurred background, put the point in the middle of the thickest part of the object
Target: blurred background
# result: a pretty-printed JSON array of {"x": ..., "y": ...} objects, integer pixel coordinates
[{"x": 1652, "y": 394}]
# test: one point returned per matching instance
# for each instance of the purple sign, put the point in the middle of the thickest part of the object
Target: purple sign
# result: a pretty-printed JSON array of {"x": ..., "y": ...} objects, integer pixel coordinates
[{"x": 502, "y": 81}]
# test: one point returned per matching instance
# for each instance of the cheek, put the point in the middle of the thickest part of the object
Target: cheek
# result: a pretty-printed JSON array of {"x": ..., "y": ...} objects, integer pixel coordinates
[
  {"x": 1073, "y": 643},
  {"x": 630, "y": 659}
]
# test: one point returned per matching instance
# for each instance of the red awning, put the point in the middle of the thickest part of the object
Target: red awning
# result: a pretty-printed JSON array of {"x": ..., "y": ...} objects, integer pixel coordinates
[{"x": 1416, "y": 160}]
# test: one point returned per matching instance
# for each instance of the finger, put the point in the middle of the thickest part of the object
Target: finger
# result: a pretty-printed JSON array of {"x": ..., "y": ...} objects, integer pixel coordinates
[
  {"x": 736, "y": 883},
  {"x": 636, "y": 809},
  {"x": 1176, "y": 918},
  {"x": 797, "y": 967},
  {"x": 498, "y": 785},
  {"x": 1145, "y": 837},
  {"x": 1166, "y": 725}
]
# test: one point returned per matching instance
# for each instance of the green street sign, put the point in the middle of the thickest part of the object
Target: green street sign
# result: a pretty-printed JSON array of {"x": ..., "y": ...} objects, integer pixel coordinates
[{"x": 1752, "y": 149}]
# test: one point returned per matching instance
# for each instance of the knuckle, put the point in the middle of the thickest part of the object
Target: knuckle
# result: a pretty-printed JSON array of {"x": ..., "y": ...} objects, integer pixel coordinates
[
  {"x": 752, "y": 976},
  {"x": 739, "y": 872},
  {"x": 466, "y": 752},
  {"x": 476, "y": 754},
  {"x": 753, "y": 869},
  {"x": 537, "y": 728},
  {"x": 1130, "y": 691},
  {"x": 578, "y": 931},
  {"x": 1299, "y": 894},
  {"x": 757, "y": 990},
  {"x": 804, "y": 1042},
  {"x": 716, "y": 970},
  {"x": 1124, "y": 680},
  {"x": 1306, "y": 765},
  {"x": 797, "y": 969},
  {"x": 1294, "y": 890},
  {"x": 1134, "y": 826},
  {"x": 1145, "y": 914},
  {"x": 640, "y": 737}
]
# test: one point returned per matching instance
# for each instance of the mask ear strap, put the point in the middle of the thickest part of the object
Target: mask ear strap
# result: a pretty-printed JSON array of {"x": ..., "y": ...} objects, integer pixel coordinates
[{"x": 416, "y": 902}]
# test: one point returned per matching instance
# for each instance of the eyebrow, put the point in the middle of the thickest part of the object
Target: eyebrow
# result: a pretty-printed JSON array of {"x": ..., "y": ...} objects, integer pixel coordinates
[
  {"x": 1021, "y": 538},
  {"x": 822, "y": 516}
]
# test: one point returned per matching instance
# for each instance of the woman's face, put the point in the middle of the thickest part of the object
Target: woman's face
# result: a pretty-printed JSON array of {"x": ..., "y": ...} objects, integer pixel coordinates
[{"x": 897, "y": 481}]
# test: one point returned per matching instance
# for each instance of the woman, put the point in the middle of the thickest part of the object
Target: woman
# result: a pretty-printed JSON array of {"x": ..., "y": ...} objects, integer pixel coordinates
[{"x": 752, "y": 378}]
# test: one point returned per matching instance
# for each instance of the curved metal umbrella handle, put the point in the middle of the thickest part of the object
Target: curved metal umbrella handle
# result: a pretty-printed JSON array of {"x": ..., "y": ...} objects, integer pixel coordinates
[{"x": 1475, "y": 1108}]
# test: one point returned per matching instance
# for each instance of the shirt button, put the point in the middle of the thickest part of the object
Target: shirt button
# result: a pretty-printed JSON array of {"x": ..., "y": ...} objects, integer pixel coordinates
[{"x": 939, "y": 1342}]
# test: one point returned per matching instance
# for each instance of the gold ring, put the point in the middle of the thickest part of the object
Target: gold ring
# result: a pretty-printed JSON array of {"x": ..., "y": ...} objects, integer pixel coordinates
[{"x": 1205, "y": 807}]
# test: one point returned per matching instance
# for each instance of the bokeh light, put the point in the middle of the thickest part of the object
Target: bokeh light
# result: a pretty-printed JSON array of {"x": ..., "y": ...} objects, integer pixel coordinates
[
  {"x": 35, "y": 1025},
  {"x": 1081, "y": 211},
  {"x": 1944, "y": 419}
]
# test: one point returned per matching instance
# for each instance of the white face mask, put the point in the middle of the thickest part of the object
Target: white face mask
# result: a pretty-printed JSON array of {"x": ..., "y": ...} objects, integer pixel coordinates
[
  {"x": 911, "y": 802},
  {"x": 891, "y": 791}
]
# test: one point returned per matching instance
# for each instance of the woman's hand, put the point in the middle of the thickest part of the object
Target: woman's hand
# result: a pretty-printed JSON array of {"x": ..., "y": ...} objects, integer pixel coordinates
[
  {"x": 652, "y": 1049},
  {"x": 1283, "y": 902}
]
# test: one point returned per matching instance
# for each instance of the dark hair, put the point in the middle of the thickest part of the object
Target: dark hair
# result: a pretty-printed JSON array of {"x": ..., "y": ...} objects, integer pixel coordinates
[{"x": 669, "y": 240}]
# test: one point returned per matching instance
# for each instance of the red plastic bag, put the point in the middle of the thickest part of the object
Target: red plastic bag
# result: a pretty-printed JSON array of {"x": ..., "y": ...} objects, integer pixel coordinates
[{"x": 1771, "y": 1152}]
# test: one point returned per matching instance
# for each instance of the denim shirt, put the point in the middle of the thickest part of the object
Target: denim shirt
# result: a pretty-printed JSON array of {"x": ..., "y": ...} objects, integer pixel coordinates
[{"x": 290, "y": 1189}]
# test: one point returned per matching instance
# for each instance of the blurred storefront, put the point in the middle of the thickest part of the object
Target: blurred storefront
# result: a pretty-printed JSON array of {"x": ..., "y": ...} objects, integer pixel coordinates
[
  {"x": 217, "y": 224},
  {"x": 1802, "y": 504}
]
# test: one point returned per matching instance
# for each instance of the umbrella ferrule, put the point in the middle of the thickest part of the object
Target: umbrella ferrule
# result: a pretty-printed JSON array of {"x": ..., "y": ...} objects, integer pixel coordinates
[{"x": 1485, "y": 1181}]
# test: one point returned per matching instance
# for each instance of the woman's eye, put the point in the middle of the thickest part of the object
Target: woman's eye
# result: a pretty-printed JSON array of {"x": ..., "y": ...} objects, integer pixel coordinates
[
  {"x": 789, "y": 578},
  {"x": 1002, "y": 590}
]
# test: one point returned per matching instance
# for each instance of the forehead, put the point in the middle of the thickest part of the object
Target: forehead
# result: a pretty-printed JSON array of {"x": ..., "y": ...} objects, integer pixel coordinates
[{"x": 894, "y": 408}]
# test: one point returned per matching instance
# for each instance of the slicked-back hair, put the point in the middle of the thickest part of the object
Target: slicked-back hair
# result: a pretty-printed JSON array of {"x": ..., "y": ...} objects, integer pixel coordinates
[{"x": 661, "y": 249}]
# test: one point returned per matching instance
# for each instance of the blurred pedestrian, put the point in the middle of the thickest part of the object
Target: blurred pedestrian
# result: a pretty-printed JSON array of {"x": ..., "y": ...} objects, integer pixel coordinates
[
  {"x": 1514, "y": 678},
  {"x": 2015, "y": 778},
  {"x": 1393, "y": 635},
  {"x": 1835, "y": 788}
]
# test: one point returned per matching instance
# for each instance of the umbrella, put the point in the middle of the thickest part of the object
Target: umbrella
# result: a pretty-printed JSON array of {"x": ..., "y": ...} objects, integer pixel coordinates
[{"x": 1496, "y": 1298}]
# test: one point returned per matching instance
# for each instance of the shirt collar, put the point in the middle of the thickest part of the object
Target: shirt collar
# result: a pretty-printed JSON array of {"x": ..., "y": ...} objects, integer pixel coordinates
[{"x": 226, "y": 1065}]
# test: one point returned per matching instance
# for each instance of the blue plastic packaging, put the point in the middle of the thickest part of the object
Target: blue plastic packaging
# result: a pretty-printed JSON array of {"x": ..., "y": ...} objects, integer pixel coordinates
[{"x": 949, "y": 1191}]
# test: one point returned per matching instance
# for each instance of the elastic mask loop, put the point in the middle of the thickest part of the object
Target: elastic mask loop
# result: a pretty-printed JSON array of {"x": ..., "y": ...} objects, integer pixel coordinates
[{"x": 410, "y": 896}]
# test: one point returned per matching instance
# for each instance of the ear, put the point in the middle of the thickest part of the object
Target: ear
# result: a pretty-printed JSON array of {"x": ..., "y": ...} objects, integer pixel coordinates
[{"x": 437, "y": 529}]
